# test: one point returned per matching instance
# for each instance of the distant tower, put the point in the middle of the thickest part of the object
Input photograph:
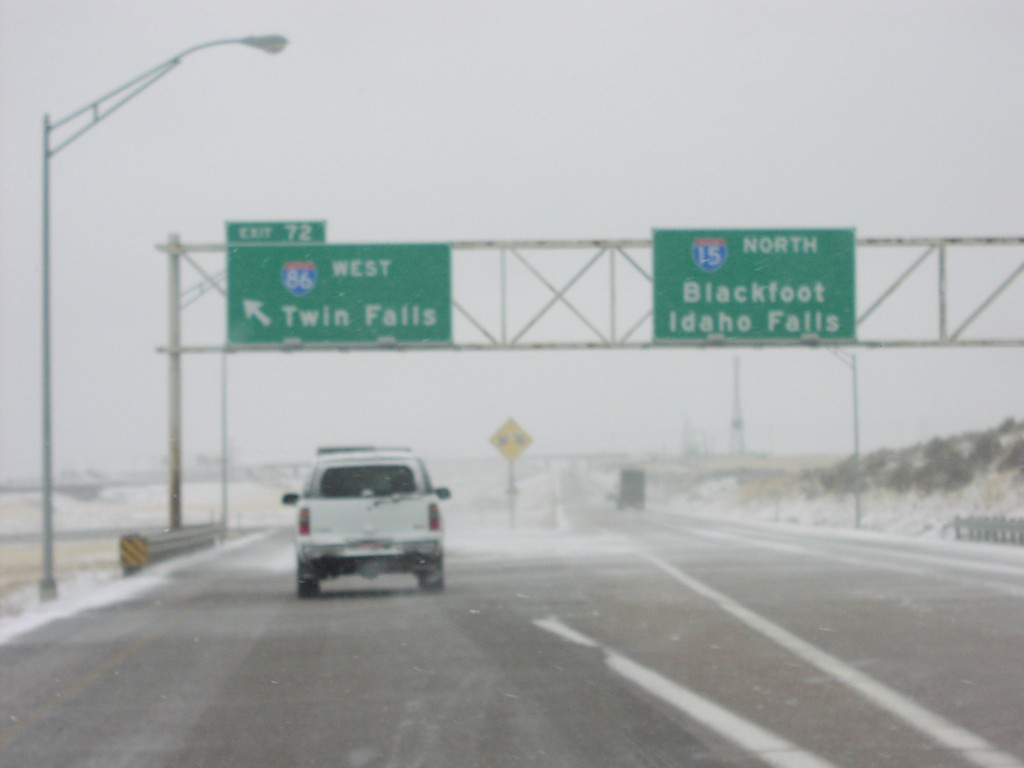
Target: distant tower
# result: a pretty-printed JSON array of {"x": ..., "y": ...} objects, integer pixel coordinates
[{"x": 736, "y": 446}]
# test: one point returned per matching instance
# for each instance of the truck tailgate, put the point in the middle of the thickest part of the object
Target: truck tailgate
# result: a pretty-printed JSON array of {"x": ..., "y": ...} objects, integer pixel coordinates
[{"x": 401, "y": 518}]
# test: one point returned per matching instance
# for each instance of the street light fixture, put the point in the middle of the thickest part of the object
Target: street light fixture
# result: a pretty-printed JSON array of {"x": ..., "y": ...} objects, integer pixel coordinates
[
  {"x": 97, "y": 110},
  {"x": 268, "y": 43}
]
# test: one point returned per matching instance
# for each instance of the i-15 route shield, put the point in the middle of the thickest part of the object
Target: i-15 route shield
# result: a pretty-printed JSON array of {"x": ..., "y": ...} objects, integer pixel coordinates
[{"x": 754, "y": 285}]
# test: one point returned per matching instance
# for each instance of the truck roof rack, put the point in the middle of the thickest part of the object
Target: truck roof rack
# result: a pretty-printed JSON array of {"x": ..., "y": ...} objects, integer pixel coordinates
[{"x": 329, "y": 449}]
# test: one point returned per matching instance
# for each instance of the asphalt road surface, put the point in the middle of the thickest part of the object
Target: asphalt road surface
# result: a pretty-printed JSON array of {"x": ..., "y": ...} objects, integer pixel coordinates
[{"x": 625, "y": 639}]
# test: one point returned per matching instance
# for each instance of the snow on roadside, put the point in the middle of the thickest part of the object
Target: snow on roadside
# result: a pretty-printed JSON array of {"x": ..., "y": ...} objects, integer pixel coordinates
[
  {"x": 87, "y": 565},
  {"x": 84, "y": 591}
]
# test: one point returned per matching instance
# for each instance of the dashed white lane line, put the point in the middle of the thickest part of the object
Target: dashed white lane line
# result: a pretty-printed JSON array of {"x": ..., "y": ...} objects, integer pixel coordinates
[
  {"x": 969, "y": 745},
  {"x": 766, "y": 745}
]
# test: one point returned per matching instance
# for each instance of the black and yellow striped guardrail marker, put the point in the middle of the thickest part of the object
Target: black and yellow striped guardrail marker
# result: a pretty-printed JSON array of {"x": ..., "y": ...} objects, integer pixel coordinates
[{"x": 134, "y": 553}]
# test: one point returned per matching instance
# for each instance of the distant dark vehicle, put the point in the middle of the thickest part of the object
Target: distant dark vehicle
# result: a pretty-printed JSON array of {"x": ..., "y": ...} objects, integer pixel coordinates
[{"x": 632, "y": 493}]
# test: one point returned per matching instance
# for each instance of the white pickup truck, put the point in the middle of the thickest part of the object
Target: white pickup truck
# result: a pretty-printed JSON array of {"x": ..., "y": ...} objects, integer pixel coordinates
[{"x": 368, "y": 511}]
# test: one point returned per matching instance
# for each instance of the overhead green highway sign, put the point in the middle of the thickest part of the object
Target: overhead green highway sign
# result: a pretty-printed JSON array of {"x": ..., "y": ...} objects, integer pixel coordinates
[
  {"x": 378, "y": 293},
  {"x": 276, "y": 232},
  {"x": 754, "y": 285}
]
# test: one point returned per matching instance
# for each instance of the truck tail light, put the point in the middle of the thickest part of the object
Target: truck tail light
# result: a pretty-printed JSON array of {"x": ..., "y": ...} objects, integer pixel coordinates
[
  {"x": 435, "y": 517},
  {"x": 304, "y": 521}
]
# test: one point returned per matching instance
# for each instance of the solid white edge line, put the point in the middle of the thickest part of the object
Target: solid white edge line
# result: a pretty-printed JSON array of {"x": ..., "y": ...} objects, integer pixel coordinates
[
  {"x": 969, "y": 745},
  {"x": 873, "y": 548},
  {"x": 766, "y": 745},
  {"x": 876, "y": 562}
]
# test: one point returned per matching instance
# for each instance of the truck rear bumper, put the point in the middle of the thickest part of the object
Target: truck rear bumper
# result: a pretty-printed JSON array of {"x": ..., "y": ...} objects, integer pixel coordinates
[{"x": 328, "y": 561}]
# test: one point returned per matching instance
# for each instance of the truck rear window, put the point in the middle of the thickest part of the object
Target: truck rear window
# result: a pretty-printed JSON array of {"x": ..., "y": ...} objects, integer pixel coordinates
[{"x": 349, "y": 482}]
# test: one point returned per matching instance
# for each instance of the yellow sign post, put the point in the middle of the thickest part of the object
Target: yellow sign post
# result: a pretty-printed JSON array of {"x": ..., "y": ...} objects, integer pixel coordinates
[{"x": 511, "y": 440}]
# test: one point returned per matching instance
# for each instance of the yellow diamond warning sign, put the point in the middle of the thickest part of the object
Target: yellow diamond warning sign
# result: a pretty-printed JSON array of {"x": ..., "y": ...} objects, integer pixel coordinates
[{"x": 511, "y": 440}]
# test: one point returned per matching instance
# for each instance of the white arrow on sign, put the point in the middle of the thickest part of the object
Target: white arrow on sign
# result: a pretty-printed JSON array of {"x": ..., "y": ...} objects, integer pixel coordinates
[{"x": 255, "y": 309}]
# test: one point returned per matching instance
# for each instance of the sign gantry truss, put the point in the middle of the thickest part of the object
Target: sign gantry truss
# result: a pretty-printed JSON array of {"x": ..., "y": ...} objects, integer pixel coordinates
[{"x": 598, "y": 294}]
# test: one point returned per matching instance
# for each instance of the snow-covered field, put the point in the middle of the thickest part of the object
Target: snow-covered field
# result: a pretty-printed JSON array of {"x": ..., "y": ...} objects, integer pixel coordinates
[
  {"x": 480, "y": 522},
  {"x": 477, "y": 518}
]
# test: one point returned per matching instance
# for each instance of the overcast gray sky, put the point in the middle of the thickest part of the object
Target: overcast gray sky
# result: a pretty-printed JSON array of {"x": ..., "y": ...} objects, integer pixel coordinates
[{"x": 439, "y": 121}]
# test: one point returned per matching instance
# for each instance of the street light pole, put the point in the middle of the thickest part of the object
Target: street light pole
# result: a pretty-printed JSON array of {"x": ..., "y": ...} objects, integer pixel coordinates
[
  {"x": 174, "y": 381},
  {"x": 48, "y": 586},
  {"x": 96, "y": 110},
  {"x": 850, "y": 361},
  {"x": 856, "y": 441}
]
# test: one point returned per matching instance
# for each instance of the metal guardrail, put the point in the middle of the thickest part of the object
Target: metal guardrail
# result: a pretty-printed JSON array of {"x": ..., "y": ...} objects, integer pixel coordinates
[
  {"x": 997, "y": 529},
  {"x": 139, "y": 550}
]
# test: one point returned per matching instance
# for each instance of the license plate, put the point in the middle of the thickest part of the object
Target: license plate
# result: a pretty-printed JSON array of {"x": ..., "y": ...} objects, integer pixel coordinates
[{"x": 371, "y": 545}]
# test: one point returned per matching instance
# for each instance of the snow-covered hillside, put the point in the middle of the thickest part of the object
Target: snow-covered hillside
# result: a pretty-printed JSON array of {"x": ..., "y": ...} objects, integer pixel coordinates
[{"x": 915, "y": 491}]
